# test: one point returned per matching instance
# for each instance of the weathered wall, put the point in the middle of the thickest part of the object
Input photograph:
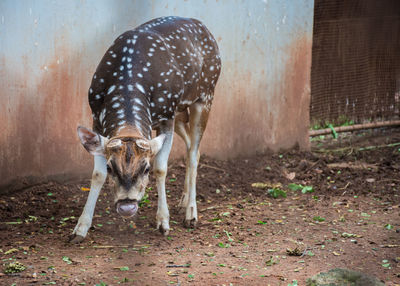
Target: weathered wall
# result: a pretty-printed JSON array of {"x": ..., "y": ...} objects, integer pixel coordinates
[{"x": 49, "y": 50}]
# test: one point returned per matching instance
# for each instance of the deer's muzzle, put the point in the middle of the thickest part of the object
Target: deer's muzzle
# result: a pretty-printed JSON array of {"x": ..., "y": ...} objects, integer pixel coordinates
[{"x": 127, "y": 208}]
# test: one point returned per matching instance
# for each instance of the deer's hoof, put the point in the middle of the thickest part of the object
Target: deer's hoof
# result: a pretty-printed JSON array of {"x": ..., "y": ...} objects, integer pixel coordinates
[
  {"x": 190, "y": 223},
  {"x": 76, "y": 238}
]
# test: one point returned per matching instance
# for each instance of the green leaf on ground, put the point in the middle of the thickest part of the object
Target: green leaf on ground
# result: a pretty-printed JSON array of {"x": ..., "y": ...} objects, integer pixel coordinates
[
  {"x": 385, "y": 263},
  {"x": 223, "y": 245},
  {"x": 276, "y": 193},
  {"x": 318, "y": 218},
  {"x": 304, "y": 189},
  {"x": 145, "y": 200},
  {"x": 388, "y": 226},
  {"x": 67, "y": 259}
]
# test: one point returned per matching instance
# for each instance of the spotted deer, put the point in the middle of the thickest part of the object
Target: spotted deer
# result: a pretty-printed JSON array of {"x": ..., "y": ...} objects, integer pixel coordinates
[{"x": 160, "y": 76}]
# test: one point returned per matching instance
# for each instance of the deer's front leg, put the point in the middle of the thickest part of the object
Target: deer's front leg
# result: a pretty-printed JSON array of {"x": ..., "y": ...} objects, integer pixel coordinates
[
  {"x": 160, "y": 172},
  {"x": 85, "y": 220}
]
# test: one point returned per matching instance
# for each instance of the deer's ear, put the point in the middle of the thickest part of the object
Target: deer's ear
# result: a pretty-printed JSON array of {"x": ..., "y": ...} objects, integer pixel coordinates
[
  {"x": 156, "y": 144},
  {"x": 143, "y": 144},
  {"x": 94, "y": 143}
]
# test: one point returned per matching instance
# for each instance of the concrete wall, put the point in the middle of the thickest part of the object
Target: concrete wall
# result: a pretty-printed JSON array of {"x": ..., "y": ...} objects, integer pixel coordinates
[{"x": 50, "y": 49}]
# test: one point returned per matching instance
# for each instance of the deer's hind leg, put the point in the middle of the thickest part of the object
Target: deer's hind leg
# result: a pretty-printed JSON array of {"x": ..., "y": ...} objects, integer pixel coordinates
[
  {"x": 197, "y": 124},
  {"x": 183, "y": 130}
]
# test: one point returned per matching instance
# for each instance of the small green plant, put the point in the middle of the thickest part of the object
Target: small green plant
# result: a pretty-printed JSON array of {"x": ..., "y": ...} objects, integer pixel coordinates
[
  {"x": 223, "y": 245},
  {"x": 276, "y": 193},
  {"x": 318, "y": 218},
  {"x": 145, "y": 200},
  {"x": 304, "y": 189}
]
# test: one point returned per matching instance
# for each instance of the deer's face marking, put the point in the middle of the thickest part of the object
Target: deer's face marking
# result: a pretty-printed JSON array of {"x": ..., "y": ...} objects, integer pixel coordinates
[{"x": 128, "y": 164}]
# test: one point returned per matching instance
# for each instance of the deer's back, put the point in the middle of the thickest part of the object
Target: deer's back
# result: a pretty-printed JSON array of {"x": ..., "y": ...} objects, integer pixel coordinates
[{"x": 161, "y": 66}]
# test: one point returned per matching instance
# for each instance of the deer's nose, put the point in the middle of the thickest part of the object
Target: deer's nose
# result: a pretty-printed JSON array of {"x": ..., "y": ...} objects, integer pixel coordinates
[{"x": 127, "y": 208}]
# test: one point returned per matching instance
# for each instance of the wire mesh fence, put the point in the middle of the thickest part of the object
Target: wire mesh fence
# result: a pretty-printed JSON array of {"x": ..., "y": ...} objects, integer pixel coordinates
[{"x": 355, "y": 74}]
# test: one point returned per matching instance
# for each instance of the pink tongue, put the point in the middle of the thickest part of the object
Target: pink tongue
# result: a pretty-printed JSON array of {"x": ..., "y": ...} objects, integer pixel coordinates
[{"x": 127, "y": 209}]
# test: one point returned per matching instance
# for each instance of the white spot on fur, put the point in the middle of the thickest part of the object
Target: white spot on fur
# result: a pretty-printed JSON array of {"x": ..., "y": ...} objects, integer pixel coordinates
[
  {"x": 111, "y": 89},
  {"x": 138, "y": 101},
  {"x": 140, "y": 88}
]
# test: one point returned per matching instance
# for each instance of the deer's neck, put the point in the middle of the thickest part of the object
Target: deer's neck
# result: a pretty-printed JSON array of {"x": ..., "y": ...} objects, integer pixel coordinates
[{"x": 130, "y": 115}]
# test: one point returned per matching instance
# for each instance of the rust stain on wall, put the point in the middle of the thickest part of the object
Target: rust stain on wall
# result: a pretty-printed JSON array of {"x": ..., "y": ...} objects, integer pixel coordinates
[
  {"x": 248, "y": 116},
  {"x": 293, "y": 119},
  {"x": 40, "y": 124}
]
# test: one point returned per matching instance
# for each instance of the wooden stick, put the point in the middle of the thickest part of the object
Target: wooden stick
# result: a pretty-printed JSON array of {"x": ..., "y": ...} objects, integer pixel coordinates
[
  {"x": 212, "y": 167},
  {"x": 354, "y": 127},
  {"x": 357, "y": 149},
  {"x": 177, "y": 266},
  {"x": 118, "y": 246}
]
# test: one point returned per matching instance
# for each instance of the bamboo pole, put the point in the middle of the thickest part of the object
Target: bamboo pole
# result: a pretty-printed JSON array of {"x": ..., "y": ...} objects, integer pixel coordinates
[{"x": 354, "y": 127}]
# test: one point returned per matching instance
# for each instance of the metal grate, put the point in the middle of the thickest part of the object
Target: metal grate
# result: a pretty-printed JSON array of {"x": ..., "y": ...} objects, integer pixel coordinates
[{"x": 355, "y": 72}]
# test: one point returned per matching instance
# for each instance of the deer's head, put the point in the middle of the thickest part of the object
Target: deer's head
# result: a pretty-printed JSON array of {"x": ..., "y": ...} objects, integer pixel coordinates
[{"x": 128, "y": 164}]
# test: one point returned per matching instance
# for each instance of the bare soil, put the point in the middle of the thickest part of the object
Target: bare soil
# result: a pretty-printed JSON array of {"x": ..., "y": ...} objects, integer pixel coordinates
[{"x": 244, "y": 236}]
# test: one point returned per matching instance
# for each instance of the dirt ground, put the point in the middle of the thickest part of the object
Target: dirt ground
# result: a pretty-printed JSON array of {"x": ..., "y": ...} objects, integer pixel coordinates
[{"x": 349, "y": 218}]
